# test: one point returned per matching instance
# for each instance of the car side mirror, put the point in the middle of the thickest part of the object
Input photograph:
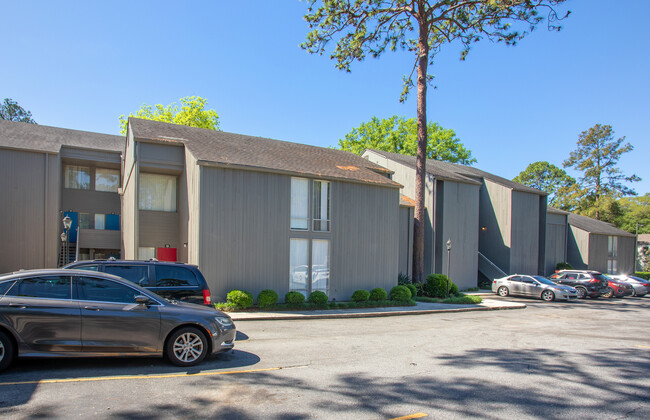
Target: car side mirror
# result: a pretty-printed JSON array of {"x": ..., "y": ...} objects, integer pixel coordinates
[{"x": 142, "y": 300}]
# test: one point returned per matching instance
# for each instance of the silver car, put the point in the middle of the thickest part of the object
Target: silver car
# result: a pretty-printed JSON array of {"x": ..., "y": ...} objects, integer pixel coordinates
[
  {"x": 533, "y": 286},
  {"x": 641, "y": 287}
]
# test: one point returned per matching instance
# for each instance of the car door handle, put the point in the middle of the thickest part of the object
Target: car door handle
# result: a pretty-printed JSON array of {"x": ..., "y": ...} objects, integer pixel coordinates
[
  {"x": 92, "y": 308},
  {"x": 17, "y": 305}
]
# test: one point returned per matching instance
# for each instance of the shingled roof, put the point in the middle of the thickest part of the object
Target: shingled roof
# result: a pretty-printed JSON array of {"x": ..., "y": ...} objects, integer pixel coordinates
[
  {"x": 33, "y": 137},
  {"x": 459, "y": 173},
  {"x": 596, "y": 226},
  {"x": 259, "y": 153}
]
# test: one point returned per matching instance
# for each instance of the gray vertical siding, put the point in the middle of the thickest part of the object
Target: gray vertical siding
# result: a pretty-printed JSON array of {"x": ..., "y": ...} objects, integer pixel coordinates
[
  {"x": 129, "y": 200},
  {"x": 598, "y": 253},
  {"x": 578, "y": 248},
  {"x": 524, "y": 248},
  {"x": 244, "y": 230},
  {"x": 495, "y": 223},
  {"x": 194, "y": 229},
  {"x": 29, "y": 213},
  {"x": 90, "y": 201},
  {"x": 158, "y": 228},
  {"x": 405, "y": 240},
  {"x": 556, "y": 241}
]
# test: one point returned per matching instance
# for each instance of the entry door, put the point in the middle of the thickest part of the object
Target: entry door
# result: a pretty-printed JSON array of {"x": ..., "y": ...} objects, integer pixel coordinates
[{"x": 167, "y": 254}]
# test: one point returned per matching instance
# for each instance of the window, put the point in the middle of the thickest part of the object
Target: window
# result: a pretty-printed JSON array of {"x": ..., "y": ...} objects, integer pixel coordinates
[
  {"x": 103, "y": 290},
  {"x": 4, "y": 287},
  {"x": 612, "y": 266},
  {"x": 157, "y": 192},
  {"x": 320, "y": 268},
  {"x": 321, "y": 206},
  {"x": 146, "y": 253},
  {"x": 167, "y": 276},
  {"x": 107, "y": 179},
  {"x": 77, "y": 177},
  {"x": 46, "y": 287},
  {"x": 100, "y": 221},
  {"x": 84, "y": 220},
  {"x": 299, "y": 204},
  {"x": 612, "y": 246},
  {"x": 138, "y": 274},
  {"x": 93, "y": 267},
  {"x": 298, "y": 265}
]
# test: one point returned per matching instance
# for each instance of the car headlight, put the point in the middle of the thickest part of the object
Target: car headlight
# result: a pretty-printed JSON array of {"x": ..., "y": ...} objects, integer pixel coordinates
[{"x": 224, "y": 321}]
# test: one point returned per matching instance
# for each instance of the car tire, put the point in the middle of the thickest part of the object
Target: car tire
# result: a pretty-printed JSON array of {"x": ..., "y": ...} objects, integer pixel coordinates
[
  {"x": 6, "y": 351},
  {"x": 503, "y": 291},
  {"x": 186, "y": 347},
  {"x": 548, "y": 296},
  {"x": 609, "y": 293},
  {"x": 582, "y": 292},
  {"x": 633, "y": 292}
]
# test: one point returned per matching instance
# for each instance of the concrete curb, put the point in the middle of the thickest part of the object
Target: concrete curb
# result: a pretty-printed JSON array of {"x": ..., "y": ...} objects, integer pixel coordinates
[{"x": 285, "y": 316}]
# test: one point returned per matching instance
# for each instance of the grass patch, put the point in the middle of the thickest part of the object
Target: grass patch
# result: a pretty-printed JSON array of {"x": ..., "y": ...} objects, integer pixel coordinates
[
  {"x": 307, "y": 306},
  {"x": 456, "y": 300}
]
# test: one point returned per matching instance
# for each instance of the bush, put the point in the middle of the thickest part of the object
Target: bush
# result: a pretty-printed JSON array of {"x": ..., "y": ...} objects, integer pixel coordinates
[
  {"x": 412, "y": 289},
  {"x": 400, "y": 294},
  {"x": 239, "y": 299},
  {"x": 360, "y": 295},
  {"x": 563, "y": 266},
  {"x": 294, "y": 297},
  {"x": 318, "y": 298},
  {"x": 403, "y": 279},
  {"x": 436, "y": 286},
  {"x": 378, "y": 294},
  {"x": 267, "y": 298},
  {"x": 419, "y": 289},
  {"x": 643, "y": 274}
]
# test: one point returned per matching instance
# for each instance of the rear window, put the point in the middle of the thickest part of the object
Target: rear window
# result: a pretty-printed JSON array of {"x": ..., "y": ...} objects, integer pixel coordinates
[
  {"x": 170, "y": 276},
  {"x": 138, "y": 274},
  {"x": 89, "y": 267},
  {"x": 601, "y": 277}
]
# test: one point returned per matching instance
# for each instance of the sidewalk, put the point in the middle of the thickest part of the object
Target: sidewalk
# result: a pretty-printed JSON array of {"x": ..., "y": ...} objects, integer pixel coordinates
[{"x": 421, "y": 308}]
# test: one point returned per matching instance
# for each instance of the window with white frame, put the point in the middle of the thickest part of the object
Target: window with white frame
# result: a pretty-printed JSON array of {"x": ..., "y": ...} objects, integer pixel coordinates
[
  {"x": 100, "y": 221},
  {"x": 320, "y": 265},
  {"x": 612, "y": 246},
  {"x": 76, "y": 177},
  {"x": 299, "y": 265},
  {"x": 299, "y": 203},
  {"x": 321, "y": 206},
  {"x": 157, "y": 192},
  {"x": 107, "y": 179},
  {"x": 146, "y": 253}
]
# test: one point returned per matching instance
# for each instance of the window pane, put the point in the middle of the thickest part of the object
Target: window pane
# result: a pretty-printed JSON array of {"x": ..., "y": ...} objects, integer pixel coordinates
[
  {"x": 615, "y": 247},
  {"x": 146, "y": 253},
  {"x": 321, "y": 206},
  {"x": 84, "y": 220},
  {"x": 88, "y": 268},
  {"x": 100, "y": 221},
  {"x": 157, "y": 192},
  {"x": 48, "y": 287},
  {"x": 174, "y": 276},
  {"x": 102, "y": 290},
  {"x": 4, "y": 287},
  {"x": 77, "y": 177},
  {"x": 299, "y": 203},
  {"x": 298, "y": 264},
  {"x": 138, "y": 274},
  {"x": 320, "y": 259},
  {"x": 107, "y": 179}
]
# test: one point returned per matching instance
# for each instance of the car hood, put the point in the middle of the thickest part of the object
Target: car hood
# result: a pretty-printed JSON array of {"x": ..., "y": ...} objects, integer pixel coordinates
[
  {"x": 564, "y": 288},
  {"x": 193, "y": 307}
]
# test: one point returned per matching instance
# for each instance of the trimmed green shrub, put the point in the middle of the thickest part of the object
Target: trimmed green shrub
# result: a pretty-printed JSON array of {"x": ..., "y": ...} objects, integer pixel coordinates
[
  {"x": 400, "y": 294},
  {"x": 412, "y": 289},
  {"x": 403, "y": 279},
  {"x": 294, "y": 297},
  {"x": 239, "y": 299},
  {"x": 360, "y": 295},
  {"x": 436, "y": 286},
  {"x": 643, "y": 274},
  {"x": 267, "y": 298},
  {"x": 378, "y": 294},
  {"x": 419, "y": 289},
  {"x": 563, "y": 266},
  {"x": 318, "y": 298}
]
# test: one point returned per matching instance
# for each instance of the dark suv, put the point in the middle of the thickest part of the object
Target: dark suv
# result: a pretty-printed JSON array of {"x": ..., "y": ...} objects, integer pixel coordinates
[
  {"x": 171, "y": 280},
  {"x": 586, "y": 282}
]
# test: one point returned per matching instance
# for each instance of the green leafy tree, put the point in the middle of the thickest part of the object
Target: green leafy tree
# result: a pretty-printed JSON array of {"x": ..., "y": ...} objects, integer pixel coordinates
[
  {"x": 422, "y": 27},
  {"x": 597, "y": 156},
  {"x": 192, "y": 113},
  {"x": 635, "y": 210},
  {"x": 10, "y": 110},
  {"x": 400, "y": 135},
  {"x": 563, "y": 191}
]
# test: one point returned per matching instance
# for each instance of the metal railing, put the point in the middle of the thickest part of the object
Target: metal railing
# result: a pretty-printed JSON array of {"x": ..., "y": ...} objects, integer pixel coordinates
[{"x": 488, "y": 268}]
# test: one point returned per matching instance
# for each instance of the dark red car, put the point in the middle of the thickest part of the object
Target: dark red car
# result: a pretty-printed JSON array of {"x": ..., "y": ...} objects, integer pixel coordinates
[{"x": 618, "y": 288}]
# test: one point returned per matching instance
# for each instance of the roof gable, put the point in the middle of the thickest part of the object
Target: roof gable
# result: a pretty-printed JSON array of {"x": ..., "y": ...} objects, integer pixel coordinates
[{"x": 596, "y": 226}]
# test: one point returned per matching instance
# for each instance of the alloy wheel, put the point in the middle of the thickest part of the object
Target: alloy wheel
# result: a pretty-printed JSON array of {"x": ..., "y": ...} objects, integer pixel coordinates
[
  {"x": 548, "y": 296},
  {"x": 582, "y": 292},
  {"x": 2, "y": 351},
  {"x": 503, "y": 291},
  {"x": 188, "y": 347}
]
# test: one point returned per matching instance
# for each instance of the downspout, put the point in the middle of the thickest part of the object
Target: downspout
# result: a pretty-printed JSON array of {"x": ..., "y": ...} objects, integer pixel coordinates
[{"x": 45, "y": 210}]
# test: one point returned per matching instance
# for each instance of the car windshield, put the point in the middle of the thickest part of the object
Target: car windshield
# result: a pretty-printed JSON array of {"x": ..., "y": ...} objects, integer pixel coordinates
[
  {"x": 601, "y": 277},
  {"x": 543, "y": 280}
]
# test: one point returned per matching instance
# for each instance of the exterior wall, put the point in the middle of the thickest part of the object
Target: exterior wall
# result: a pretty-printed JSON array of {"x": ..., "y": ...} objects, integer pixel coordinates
[
  {"x": 158, "y": 228},
  {"x": 194, "y": 228},
  {"x": 460, "y": 224},
  {"x": 495, "y": 210},
  {"x": 598, "y": 254},
  {"x": 101, "y": 239},
  {"x": 524, "y": 248},
  {"x": 405, "y": 265},
  {"x": 556, "y": 241},
  {"x": 129, "y": 222},
  {"x": 578, "y": 248},
  {"x": 29, "y": 183}
]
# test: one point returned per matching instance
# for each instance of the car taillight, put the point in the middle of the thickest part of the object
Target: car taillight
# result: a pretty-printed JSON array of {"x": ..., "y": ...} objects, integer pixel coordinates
[
  {"x": 594, "y": 281},
  {"x": 207, "y": 299}
]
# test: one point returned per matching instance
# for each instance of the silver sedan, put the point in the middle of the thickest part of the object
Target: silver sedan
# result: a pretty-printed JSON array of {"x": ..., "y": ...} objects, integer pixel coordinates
[
  {"x": 641, "y": 286},
  {"x": 533, "y": 286}
]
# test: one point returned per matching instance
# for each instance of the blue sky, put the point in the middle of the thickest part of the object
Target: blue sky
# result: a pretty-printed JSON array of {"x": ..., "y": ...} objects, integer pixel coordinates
[{"x": 81, "y": 64}]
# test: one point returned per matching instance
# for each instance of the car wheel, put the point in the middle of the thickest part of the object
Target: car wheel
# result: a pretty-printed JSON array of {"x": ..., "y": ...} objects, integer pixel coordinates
[
  {"x": 548, "y": 296},
  {"x": 6, "y": 351},
  {"x": 633, "y": 292},
  {"x": 609, "y": 293},
  {"x": 503, "y": 291},
  {"x": 582, "y": 292},
  {"x": 186, "y": 347}
]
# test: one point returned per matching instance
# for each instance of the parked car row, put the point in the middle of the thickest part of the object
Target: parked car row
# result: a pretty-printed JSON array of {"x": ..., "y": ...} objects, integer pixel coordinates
[
  {"x": 570, "y": 285},
  {"x": 84, "y": 310}
]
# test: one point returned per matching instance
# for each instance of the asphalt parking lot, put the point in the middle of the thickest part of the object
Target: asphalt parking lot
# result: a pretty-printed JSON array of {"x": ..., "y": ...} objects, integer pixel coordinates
[{"x": 585, "y": 359}]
